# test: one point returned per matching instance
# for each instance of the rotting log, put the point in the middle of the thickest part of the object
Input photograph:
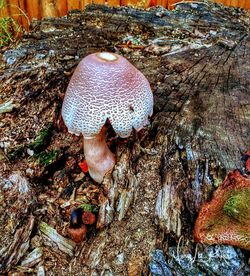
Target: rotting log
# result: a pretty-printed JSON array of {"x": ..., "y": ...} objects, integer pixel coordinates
[{"x": 197, "y": 60}]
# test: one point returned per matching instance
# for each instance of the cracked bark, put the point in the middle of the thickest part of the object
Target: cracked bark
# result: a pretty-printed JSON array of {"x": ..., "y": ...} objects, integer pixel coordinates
[{"x": 197, "y": 61}]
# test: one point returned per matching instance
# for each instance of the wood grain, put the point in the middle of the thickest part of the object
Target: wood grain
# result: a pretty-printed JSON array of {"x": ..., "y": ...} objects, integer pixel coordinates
[
  {"x": 62, "y": 7},
  {"x": 13, "y": 7},
  {"x": 53, "y": 8},
  {"x": 100, "y": 2},
  {"x": 33, "y": 9},
  {"x": 73, "y": 4},
  {"x": 247, "y": 5},
  {"x": 234, "y": 3},
  {"x": 113, "y": 3},
  {"x": 5, "y": 11},
  {"x": 24, "y": 18},
  {"x": 49, "y": 8}
]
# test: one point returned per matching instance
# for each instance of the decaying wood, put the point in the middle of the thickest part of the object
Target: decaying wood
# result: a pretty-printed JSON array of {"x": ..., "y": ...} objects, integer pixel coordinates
[
  {"x": 197, "y": 60},
  {"x": 53, "y": 239},
  {"x": 16, "y": 221}
]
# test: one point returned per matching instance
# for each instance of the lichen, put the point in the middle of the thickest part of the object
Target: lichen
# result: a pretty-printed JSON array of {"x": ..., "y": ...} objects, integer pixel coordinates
[{"x": 237, "y": 206}]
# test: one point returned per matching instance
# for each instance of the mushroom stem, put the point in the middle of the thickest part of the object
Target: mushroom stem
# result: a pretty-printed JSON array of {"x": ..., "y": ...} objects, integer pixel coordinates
[{"x": 99, "y": 158}]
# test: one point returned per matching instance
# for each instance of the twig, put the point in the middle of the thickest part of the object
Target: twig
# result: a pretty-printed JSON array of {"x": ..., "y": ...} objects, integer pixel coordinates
[{"x": 190, "y": 2}]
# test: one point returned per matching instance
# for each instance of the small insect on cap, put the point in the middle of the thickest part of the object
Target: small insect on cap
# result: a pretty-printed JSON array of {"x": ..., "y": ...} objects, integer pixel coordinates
[{"x": 106, "y": 86}]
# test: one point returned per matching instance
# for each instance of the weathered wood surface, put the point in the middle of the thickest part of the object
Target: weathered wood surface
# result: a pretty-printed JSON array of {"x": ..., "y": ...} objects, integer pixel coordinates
[
  {"x": 197, "y": 60},
  {"x": 21, "y": 10}
]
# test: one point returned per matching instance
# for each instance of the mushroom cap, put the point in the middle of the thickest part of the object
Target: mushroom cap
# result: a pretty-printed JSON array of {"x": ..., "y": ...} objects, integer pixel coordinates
[{"x": 106, "y": 86}]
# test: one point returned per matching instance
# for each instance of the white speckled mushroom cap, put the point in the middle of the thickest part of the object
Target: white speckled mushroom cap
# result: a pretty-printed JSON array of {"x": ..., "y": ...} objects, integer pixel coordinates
[{"x": 106, "y": 86}]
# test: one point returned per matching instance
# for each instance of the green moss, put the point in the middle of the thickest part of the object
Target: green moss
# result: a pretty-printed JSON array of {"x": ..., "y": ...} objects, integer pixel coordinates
[
  {"x": 7, "y": 25},
  {"x": 42, "y": 140},
  {"x": 217, "y": 182},
  {"x": 238, "y": 207},
  {"x": 46, "y": 158},
  {"x": 89, "y": 207},
  {"x": 16, "y": 152}
]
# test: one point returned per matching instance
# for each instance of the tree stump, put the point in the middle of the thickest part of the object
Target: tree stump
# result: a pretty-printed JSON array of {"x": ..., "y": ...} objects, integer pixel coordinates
[{"x": 197, "y": 60}]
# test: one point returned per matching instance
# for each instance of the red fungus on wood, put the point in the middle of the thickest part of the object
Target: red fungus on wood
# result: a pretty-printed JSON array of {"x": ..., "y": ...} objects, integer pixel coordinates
[
  {"x": 226, "y": 219},
  {"x": 84, "y": 166},
  {"x": 77, "y": 230},
  {"x": 77, "y": 234},
  {"x": 88, "y": 218}
]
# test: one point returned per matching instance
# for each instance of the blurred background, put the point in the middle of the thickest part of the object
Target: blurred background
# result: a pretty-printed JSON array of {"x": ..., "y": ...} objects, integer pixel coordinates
[{"x": 16, "y": 14}]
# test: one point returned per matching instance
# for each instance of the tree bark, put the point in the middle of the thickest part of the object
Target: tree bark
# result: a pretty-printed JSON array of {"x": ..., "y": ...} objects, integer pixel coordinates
[{"x": 197, "y": 60}]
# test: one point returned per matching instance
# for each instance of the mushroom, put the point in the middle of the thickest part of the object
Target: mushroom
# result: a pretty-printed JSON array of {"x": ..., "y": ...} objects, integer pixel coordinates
[
  {"x": 88, "y": 218},
  {"x": 77, "y": 230},
  {"x": 105, "y": 87}
]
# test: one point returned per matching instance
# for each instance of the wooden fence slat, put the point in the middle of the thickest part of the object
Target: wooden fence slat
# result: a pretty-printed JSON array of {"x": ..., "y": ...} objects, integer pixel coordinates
[
  {"x": 88, "y": 2},
  {"x": 62, "y": 7},
  {"x": 234, "y": 3},
  {"x": 247, "y": 5},
  {"x": 170, "y": 4},
  {"x": 82, "y": 4},
  {"x": 136, "y": 3},
  {"x": 73, "y": 4},
  {"x": 33, "y": 9},
  {"x": 150, "y": 3},
  {"x": 163, "y": 3},
  {"x": 114, "y": 3},
  {"x": 49, "y": 8},
  {"x": 4, "y": 11},
  {"x": 14, "y": 11},
  {"x": 24, "y": 16},
  {"x": 99, "y": 1},
  {"x": 124, "y": 2},
  {"x": 242, "y": 3}
]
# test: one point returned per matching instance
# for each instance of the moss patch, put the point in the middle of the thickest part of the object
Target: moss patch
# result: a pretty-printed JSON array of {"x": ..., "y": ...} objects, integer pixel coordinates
[
  {"x": 46, "y": 158},
  {"x": 42, "y": 140},
  {"x": 89, "y": 207},
  {"x": 16, "y": 152},
  {"x": 238, "y": 207}
]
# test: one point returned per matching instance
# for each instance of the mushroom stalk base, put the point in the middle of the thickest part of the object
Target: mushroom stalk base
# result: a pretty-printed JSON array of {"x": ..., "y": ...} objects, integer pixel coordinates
[{"x": 99, "y": 158}]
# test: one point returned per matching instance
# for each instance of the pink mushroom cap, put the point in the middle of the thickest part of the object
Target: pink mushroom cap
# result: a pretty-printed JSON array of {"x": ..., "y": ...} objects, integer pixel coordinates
[{"x": 106, "y": 86}]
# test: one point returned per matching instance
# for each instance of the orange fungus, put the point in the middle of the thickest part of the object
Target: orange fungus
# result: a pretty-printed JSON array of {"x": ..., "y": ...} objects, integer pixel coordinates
[
  {"x": 226, "y": 218},
  {"x": 84, "y": 167}
]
